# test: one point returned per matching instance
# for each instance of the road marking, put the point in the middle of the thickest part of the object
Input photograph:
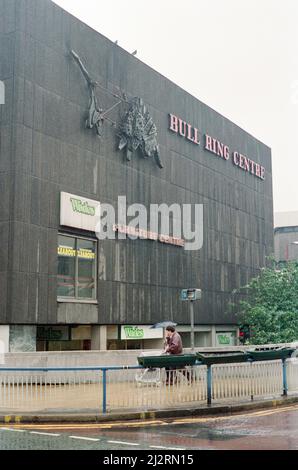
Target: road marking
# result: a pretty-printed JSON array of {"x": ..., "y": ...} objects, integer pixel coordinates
[
  {"x": 14, "y": 430},
  {"x": 148, "y": 423},
  {"x": 97, "y": 425},
  {"x": 167, "y": 448},
  {"x": 252, "y": 414},
  {"x": 45, "y": 433},
  {"x": 124, "y": 443},
  {"x": 84, "y": 438}
]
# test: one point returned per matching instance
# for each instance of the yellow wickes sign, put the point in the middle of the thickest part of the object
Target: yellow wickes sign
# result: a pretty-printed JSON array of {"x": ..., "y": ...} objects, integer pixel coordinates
[
  {"x": 72, "y": 253},
  {"x": 79, "y": 212}
]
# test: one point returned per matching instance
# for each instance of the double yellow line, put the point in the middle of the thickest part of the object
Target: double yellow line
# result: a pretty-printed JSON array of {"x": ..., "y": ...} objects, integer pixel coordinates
[{"x": 151, "y": 423}]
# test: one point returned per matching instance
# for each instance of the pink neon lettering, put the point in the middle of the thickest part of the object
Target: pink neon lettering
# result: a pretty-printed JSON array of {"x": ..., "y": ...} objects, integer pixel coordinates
[
  {"x": 208, "y": 144},
  {"x": 196, "y": 136},
  {"x": 173, "y": 123},
  {"x": 189, "y": 136},
  {"x": 236, "y": 158},
  {"x": 226, "y": 152},
  {"x": 182, "y": 128},
  {"x": 220, "y": 149}
]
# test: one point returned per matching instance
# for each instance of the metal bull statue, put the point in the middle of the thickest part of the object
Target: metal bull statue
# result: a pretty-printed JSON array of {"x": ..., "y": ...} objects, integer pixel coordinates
[
  {"x": 138, "y": 130},
  {"x": 95, "y": 113}
]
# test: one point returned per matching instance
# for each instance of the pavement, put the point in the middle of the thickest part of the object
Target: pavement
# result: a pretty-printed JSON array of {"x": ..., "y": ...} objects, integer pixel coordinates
[
  {"x": 264, "y": 429},
  {"x": 81, "y": 416}
]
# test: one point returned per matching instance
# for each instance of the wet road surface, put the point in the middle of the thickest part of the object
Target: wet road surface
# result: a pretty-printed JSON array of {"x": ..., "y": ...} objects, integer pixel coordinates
[{"x": 271, "y": 429}]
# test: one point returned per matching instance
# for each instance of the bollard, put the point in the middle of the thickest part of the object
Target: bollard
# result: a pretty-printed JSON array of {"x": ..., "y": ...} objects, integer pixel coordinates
[
  {"x": 209, "y": 384},
  {"x": 104, "y": 391},
  {"x": 284, "y": 377},
  {"x": 250, "y": 375}
]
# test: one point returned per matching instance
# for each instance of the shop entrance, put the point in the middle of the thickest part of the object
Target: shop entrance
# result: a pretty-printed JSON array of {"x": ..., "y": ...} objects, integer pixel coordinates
[{"x": 63, "y": 338}]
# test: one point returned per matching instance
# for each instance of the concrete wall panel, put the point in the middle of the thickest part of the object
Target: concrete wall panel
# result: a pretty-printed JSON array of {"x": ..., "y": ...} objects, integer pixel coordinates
[{"x": 45, "y": 148}]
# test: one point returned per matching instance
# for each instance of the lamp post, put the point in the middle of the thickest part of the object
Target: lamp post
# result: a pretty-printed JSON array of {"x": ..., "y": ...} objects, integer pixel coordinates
[{"x": 191, "y": 295}]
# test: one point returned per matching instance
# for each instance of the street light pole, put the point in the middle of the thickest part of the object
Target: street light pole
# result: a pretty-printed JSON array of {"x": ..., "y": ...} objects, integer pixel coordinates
[
  {"x": 192, "y": 333},
  {"x": 191, "y": 295}
]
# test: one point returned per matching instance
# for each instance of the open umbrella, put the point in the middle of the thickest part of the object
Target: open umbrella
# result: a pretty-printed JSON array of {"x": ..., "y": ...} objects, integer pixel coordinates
[{"x": 163, "y": 324}]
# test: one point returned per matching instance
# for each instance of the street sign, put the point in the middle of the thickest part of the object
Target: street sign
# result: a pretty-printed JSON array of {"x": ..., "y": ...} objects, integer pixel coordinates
[
  {"x": 183, "y": 295},
  {"x": 191, "y": 294}
]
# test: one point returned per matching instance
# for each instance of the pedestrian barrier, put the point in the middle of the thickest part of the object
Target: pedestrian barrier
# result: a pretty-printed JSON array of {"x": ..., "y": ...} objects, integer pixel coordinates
[
  {"x": 247, "y": 380},
  {"x": 110, "y": 389},
  {"x": 42, "y": 389},
  {"x": 292, "y": 374}
]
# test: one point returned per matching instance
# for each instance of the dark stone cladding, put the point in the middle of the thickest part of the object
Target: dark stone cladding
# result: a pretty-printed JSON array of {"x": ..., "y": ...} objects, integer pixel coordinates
[{"x": 46, "y": 149}]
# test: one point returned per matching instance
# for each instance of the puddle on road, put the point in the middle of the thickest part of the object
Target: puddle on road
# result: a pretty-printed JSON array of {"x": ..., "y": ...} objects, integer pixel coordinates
[{"x": 189, "y": 432}]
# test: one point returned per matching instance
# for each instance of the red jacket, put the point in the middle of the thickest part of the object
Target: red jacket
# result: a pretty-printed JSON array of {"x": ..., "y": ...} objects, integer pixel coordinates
[{"x": 175, "y": 344}]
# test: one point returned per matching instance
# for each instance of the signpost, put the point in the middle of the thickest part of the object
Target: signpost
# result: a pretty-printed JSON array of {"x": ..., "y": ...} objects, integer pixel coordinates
[{"x": 191, "y": 295}]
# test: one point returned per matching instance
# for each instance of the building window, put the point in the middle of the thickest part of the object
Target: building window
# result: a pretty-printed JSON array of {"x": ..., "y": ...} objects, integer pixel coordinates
[{"x": 76, "y": 268}]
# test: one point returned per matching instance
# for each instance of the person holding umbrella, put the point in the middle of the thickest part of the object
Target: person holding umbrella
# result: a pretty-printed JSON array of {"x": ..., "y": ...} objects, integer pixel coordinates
[
  {"x": 172, "y": 338},
  {"x": 173, "y": 341},
  {"x": 173, "y": 345}
]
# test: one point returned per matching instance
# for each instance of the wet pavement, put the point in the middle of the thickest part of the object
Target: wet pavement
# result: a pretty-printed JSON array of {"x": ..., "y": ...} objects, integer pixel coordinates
[{"x": 273, "y": 429}]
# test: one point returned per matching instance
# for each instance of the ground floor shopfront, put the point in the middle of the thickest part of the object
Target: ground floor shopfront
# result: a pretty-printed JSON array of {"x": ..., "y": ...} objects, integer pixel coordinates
[
  {"x": 24, "y": 338},
  {"x": 81, "y": 298}
]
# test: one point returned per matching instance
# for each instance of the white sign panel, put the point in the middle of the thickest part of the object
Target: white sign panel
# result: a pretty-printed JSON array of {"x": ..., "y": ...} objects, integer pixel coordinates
[
  {"x": 140, "y": 332},
  {"x": 4, "y": 342},
  {"x": 226, "y": 338},
  {"x": 79, "y": 212}
]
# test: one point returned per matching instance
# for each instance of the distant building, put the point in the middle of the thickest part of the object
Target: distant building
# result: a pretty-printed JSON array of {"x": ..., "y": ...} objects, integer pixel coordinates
[{"x": 286, "y": 236}]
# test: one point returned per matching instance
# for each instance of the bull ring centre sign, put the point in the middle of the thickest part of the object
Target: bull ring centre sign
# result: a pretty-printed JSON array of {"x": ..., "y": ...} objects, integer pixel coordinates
[{"x": 216, "y": 147}]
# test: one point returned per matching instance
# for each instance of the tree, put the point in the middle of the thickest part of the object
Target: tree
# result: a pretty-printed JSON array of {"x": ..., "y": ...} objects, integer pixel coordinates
[{"x": 271, "y": 306}]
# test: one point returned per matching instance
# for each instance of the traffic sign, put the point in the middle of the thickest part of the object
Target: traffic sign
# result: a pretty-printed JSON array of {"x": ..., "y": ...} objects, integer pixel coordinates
[{"x": 191, "y": 294}]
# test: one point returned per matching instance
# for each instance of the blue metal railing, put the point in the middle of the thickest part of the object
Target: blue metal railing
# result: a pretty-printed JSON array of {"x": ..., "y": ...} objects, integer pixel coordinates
[
  {"x": 102, "y": 369},
  {"x": 105, "y": 369},
  {"x": 284, "y": 377}
]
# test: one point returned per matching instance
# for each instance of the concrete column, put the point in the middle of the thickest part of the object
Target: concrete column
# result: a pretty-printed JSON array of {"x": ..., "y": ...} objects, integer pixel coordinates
[
  {"x": 213, "y": 336},
  {"x": 103, "y": 338},
  {"x": 4, "y": 342},
  {"x": 4, "y": 338},
  {"x": 99, "y": 337}
]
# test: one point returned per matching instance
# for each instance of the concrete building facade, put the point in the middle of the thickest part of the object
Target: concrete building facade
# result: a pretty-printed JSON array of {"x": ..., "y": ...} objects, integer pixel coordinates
[
  {"x": 60, "y": 287},
  {"x": 286, "y": 236}
]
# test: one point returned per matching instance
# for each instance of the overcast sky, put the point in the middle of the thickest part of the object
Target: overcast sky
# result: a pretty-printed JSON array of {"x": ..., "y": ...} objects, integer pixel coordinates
[{"x": 238, "y": 56}]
